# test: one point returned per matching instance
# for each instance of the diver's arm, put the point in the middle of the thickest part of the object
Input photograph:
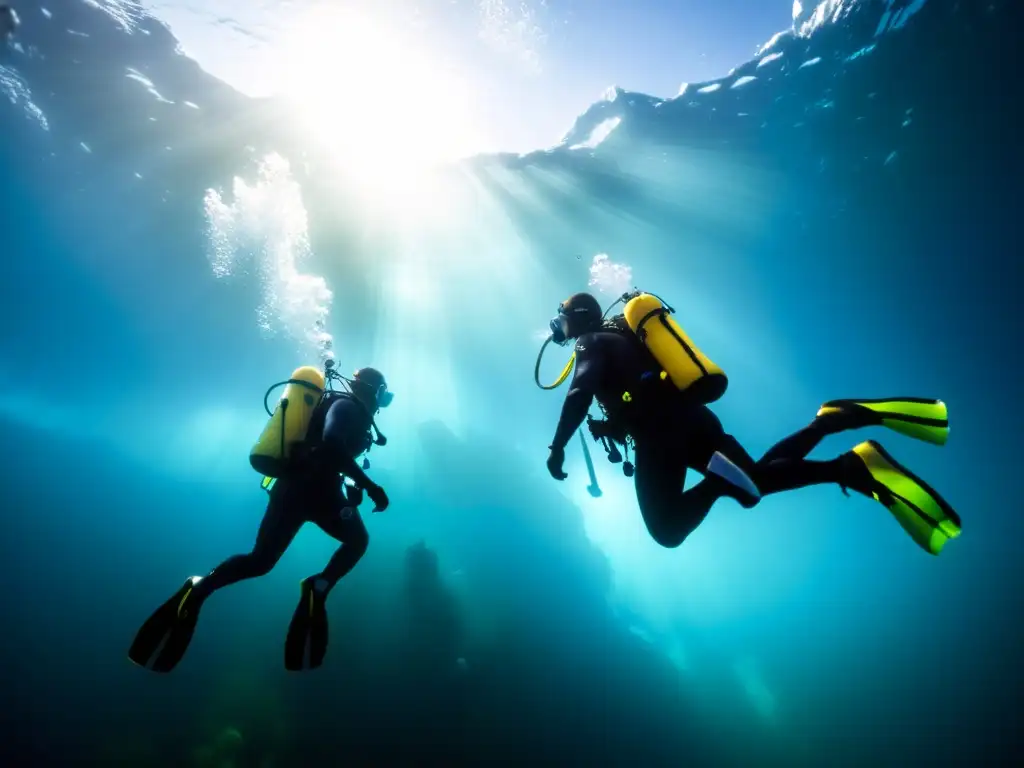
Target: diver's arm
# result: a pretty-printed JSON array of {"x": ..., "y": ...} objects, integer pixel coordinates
[
  {"x": 574, "y": 411},
  {"x": 589, "y": 362},
  {"x": 343, "y": 419}
]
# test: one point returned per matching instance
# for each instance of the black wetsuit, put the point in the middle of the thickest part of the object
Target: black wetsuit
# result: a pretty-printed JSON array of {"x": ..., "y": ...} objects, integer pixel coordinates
[
  {"x": 673, "y": 433},
  {"x": 314, "y": 492}
]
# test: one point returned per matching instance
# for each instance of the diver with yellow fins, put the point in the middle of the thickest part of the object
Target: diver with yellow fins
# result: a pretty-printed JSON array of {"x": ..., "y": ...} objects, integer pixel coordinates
[
  {"x": 654, "y": 387},
  {"x": 306, "y": 451}
]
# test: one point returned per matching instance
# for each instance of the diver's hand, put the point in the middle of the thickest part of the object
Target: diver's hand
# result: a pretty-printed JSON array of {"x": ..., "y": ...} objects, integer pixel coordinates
[
  {"x": 378, "y": 497},
  {"x": 555, "y": 461}
]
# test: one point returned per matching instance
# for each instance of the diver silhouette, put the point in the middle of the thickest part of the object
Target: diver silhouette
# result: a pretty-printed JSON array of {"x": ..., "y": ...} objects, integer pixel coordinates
[{"x": 333, "y": 428}]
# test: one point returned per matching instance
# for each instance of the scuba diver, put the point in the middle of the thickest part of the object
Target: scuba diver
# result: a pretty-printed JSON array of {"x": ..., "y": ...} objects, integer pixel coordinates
[
  {"x": 654, "y": 387},
  {"x": 306, "y": 452}
]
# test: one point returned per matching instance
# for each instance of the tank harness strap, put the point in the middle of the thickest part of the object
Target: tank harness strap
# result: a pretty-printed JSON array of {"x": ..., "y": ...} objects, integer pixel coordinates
[
  {"x": 284, "y": 422},
  {"x": 662, "y": 315}
]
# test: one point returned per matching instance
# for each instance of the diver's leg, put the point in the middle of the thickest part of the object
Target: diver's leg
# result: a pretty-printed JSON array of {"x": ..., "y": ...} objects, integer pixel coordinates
[
  {"x": 788, "y": 470},
  {"x": 162, "y": 641},
  {"x": 703, "y": 435},
  {"x": 724, "y": 462},
  {"x": 784, "y": 467},
  {"x": 790, "y": 474},
  {"x": 669, "y": 513},
  {"x": 306, "y": 642},
  {"x": 345, "y": 525},
  {"x": 801, "y": 443},
  {"x": 280, "y": 523}
]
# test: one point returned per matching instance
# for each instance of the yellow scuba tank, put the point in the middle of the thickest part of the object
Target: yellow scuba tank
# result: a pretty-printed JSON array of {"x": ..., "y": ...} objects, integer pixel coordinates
[
  {"x": 289, "y": 422},
  {"x": 688, "y": 368}
]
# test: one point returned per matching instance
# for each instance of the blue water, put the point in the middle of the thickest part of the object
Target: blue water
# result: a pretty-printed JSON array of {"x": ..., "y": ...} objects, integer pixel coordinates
[{"x": 843, "y": 225}]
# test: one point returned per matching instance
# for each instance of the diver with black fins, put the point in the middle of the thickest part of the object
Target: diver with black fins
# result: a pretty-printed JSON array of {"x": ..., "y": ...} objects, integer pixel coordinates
[
  {"x": 307, "y": 450},
  {"x": 654, "y": 387}
]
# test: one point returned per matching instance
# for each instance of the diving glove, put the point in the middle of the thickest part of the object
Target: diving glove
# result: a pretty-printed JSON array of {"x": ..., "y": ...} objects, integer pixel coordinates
[
  {"x": 555, "y": 461},
  {"x": 378, "y": 497}
]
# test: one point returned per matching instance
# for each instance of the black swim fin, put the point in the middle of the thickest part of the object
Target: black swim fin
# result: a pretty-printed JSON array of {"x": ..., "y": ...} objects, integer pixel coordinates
[
  {"x": 162, "y": 641},
  {"x": 917, "y": 417},
  {"x": 308, "y": 630}
]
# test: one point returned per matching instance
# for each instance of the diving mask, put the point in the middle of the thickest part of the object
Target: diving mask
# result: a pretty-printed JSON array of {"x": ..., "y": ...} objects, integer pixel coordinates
[{"x": 559, "y": 326}]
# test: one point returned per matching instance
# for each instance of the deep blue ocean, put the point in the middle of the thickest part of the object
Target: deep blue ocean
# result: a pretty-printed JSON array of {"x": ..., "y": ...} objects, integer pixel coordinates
[{"x": 845, "y": 224}]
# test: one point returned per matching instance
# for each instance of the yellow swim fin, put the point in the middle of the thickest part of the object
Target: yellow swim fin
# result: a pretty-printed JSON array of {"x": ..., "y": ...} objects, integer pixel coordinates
[
  {"x": 917, "y": 417},
  {"x": 922, "y": 512}
]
